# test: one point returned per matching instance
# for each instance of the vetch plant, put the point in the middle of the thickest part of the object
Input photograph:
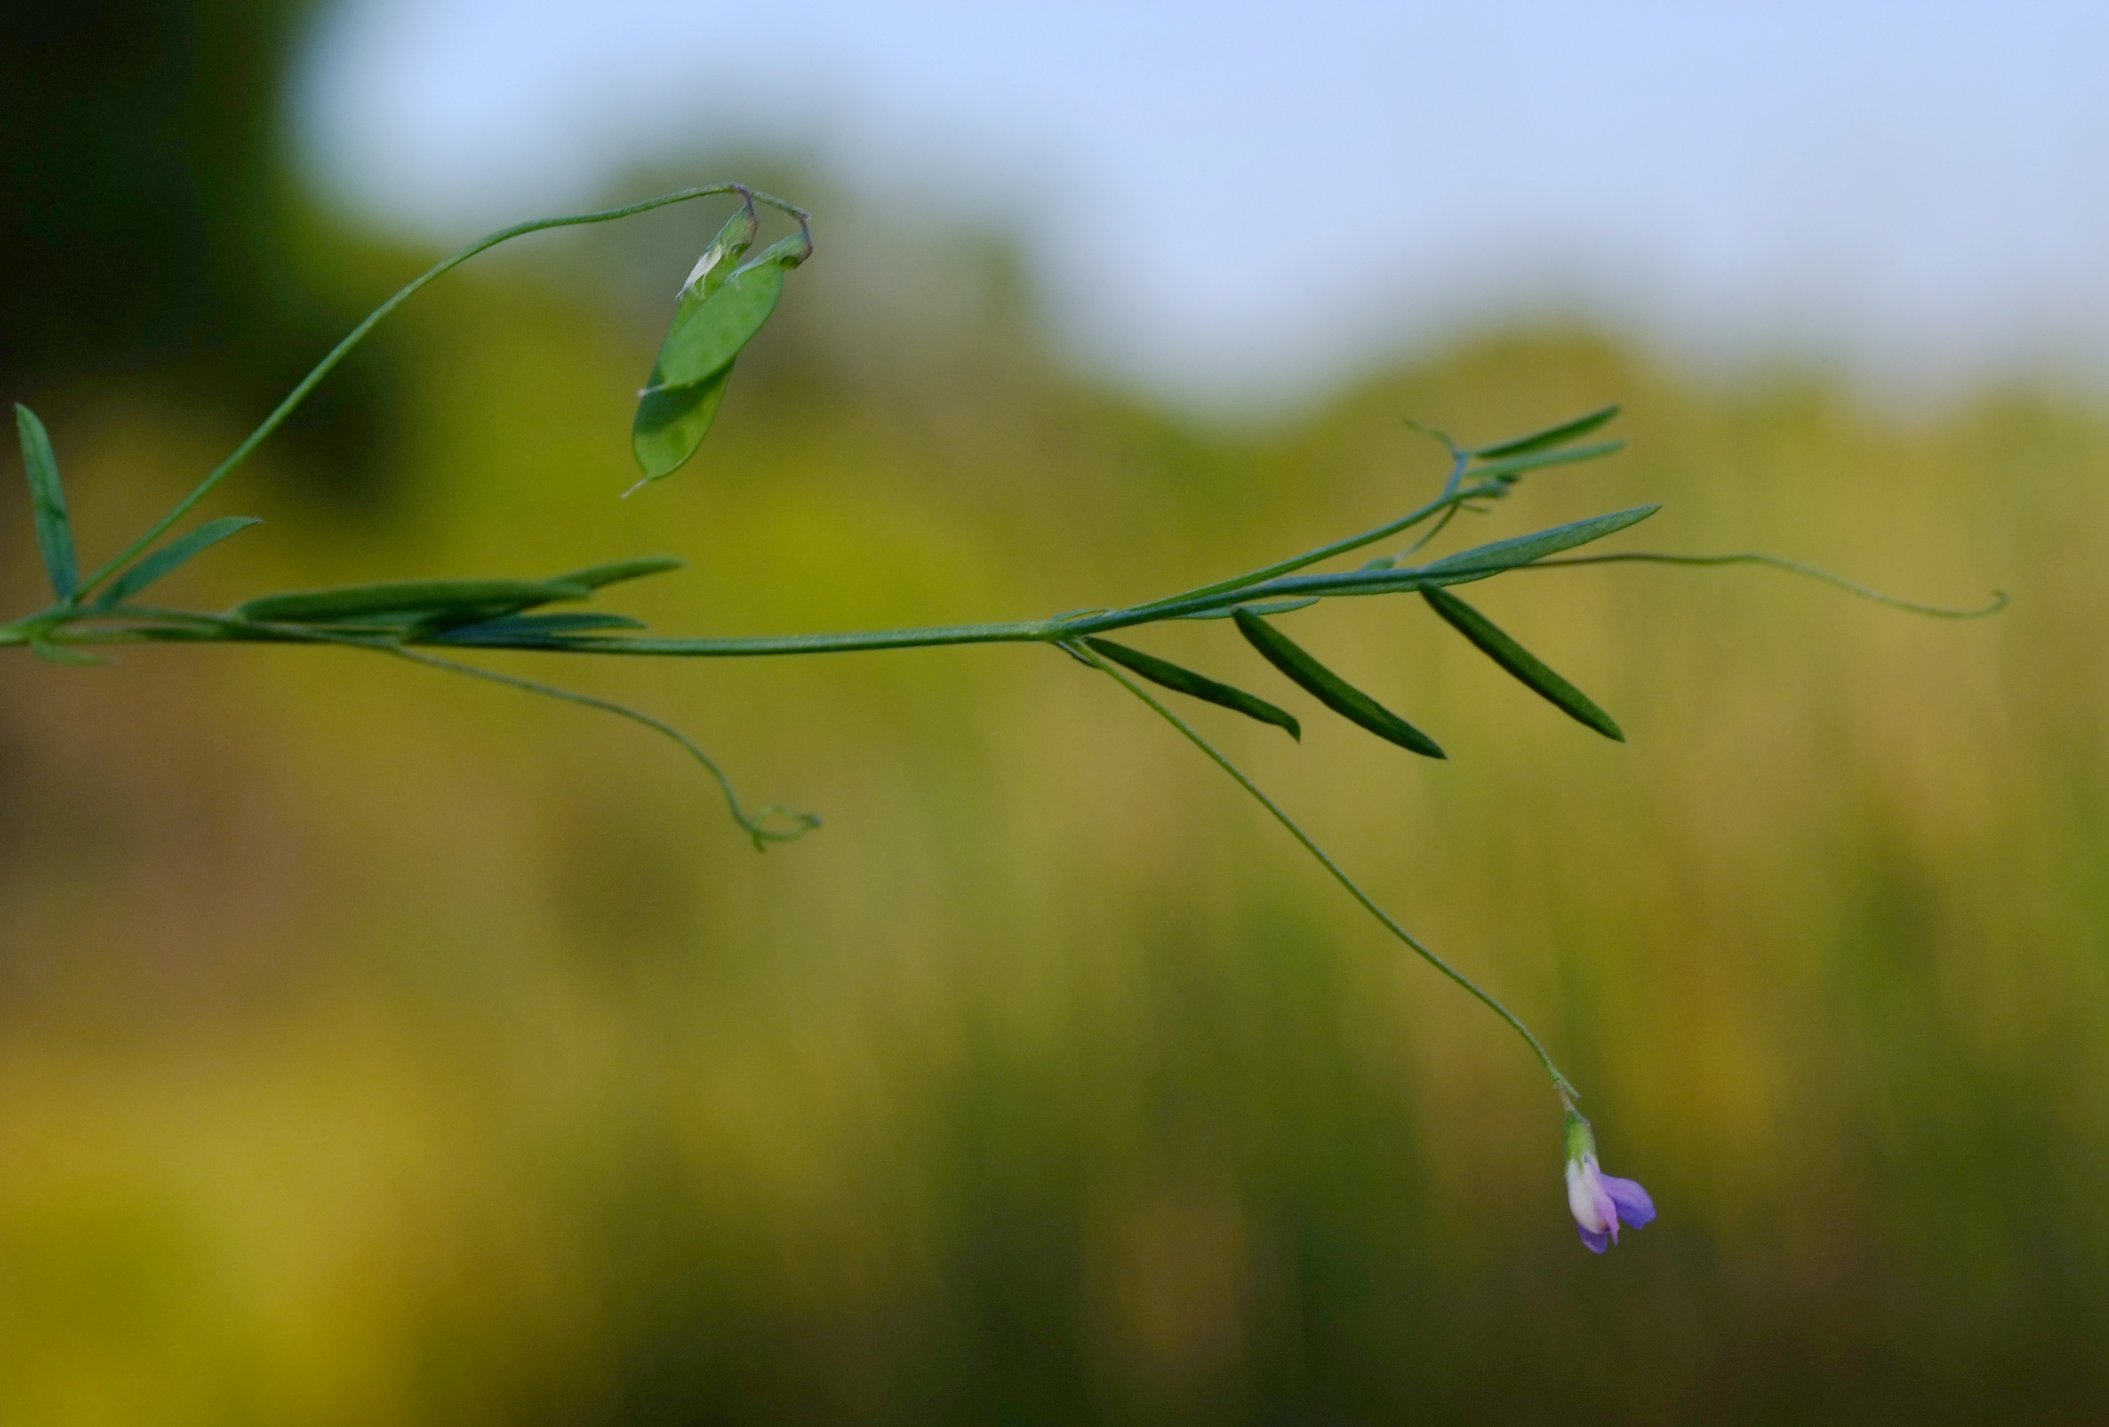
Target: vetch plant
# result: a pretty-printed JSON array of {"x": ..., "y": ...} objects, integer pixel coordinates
[{"x": 719, "y": 310}]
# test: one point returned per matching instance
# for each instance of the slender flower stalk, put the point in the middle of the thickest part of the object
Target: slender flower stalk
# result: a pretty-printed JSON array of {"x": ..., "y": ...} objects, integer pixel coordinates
[{"x": 1561, "y": 1084}]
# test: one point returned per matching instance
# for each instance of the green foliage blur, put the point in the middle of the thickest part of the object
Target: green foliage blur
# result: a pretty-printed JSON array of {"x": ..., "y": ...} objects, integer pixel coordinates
[{"x": 379, "y": 1048}]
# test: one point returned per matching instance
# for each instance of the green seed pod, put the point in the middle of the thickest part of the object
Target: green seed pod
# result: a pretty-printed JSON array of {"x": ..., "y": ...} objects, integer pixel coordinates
[{"x": 720, "y": 314}]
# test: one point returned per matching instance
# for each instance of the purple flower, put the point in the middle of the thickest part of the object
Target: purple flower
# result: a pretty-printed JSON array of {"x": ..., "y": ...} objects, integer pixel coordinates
[{"x": 1600, "y": 1201}]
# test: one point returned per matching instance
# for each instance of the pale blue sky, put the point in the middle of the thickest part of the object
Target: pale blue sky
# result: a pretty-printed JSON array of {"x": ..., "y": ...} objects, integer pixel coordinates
[{"x": 1920, "y": 191}]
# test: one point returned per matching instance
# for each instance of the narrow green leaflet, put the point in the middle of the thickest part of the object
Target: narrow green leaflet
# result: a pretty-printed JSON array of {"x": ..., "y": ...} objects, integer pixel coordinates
[
  {"x": 1330, "y": 689},
  {"x": 438, "y": 597},
  {"x": 1521, "y": 663},
  {"x": 172, "y": 556},
  {"x": 48, "y": 498},
  {"x": 53, "y": 653},
  {"x": 1560, "y": 435},
  {"x": 1483, "y": 561},
  {"x": 1510, "y": 467},
  {"x": 593, "y": 577},
  {"x": 615, "y": 572},
  {"x": 1199, "y": 686},
  {"x": 429, "y": 622}
]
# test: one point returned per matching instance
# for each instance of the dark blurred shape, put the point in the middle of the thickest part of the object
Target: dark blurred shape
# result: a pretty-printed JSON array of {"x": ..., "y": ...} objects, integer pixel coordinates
[{"x": 148, "y": 220}]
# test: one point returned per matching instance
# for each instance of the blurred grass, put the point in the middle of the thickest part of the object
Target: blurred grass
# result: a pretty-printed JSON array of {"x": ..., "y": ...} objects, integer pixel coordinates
[{"x": 380, "y": 1048}]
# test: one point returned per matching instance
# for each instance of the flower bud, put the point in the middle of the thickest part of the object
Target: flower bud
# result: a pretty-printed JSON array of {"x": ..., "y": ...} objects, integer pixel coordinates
[{"x": 1600, "y": 1202}]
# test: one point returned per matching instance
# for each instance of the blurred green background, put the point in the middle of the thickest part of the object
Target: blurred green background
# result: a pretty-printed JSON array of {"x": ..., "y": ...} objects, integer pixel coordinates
[{"x": 380, "y": 1048}]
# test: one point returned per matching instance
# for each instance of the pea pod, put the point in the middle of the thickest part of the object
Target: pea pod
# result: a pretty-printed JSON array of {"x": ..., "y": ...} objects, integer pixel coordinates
[
  {"x": 718, "y": 316},
  {"x": 48, "y": 499}
]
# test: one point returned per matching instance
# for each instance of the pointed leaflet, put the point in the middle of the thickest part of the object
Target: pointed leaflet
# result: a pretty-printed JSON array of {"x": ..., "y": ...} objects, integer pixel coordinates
[
  {"x": 1510, "y": 467},
  {"x": 1185, "y": 681},
  {"x": 594, "y": 577},
  {"x": 1483, "y": 561},
  {"x": 63, "y": 653},
  {"x": 1330, "y": 689},
  {"x": 1520, "y": 662},
  {"x": 354, "y": 602},
  {"x": 170, "y": 557},
  {"x": 48, "y": 498},
  {"x": 1559, "y": 435}
]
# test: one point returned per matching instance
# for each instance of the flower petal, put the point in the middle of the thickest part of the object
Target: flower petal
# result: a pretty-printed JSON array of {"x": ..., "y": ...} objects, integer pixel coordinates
[
  {"x": 1595, "y": 1243},
  {"x": 1586, "y": 1200},
  {"x": 1606, "y": 1211},
  {"x": 1633, "y": 1204}
]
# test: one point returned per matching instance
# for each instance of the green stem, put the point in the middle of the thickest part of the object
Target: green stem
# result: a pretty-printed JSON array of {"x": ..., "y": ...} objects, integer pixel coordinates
[
  {"x": 61, "y": 626},
  {"x": 1021, "y": 632},
  {"x": 1451, "y": 495},
  {"x": 1561, "y": 1084},
  {"x": 358, "y": 334},
  {"x": 136, "y": 625},
  {"x": 1049, "y": 631}
]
